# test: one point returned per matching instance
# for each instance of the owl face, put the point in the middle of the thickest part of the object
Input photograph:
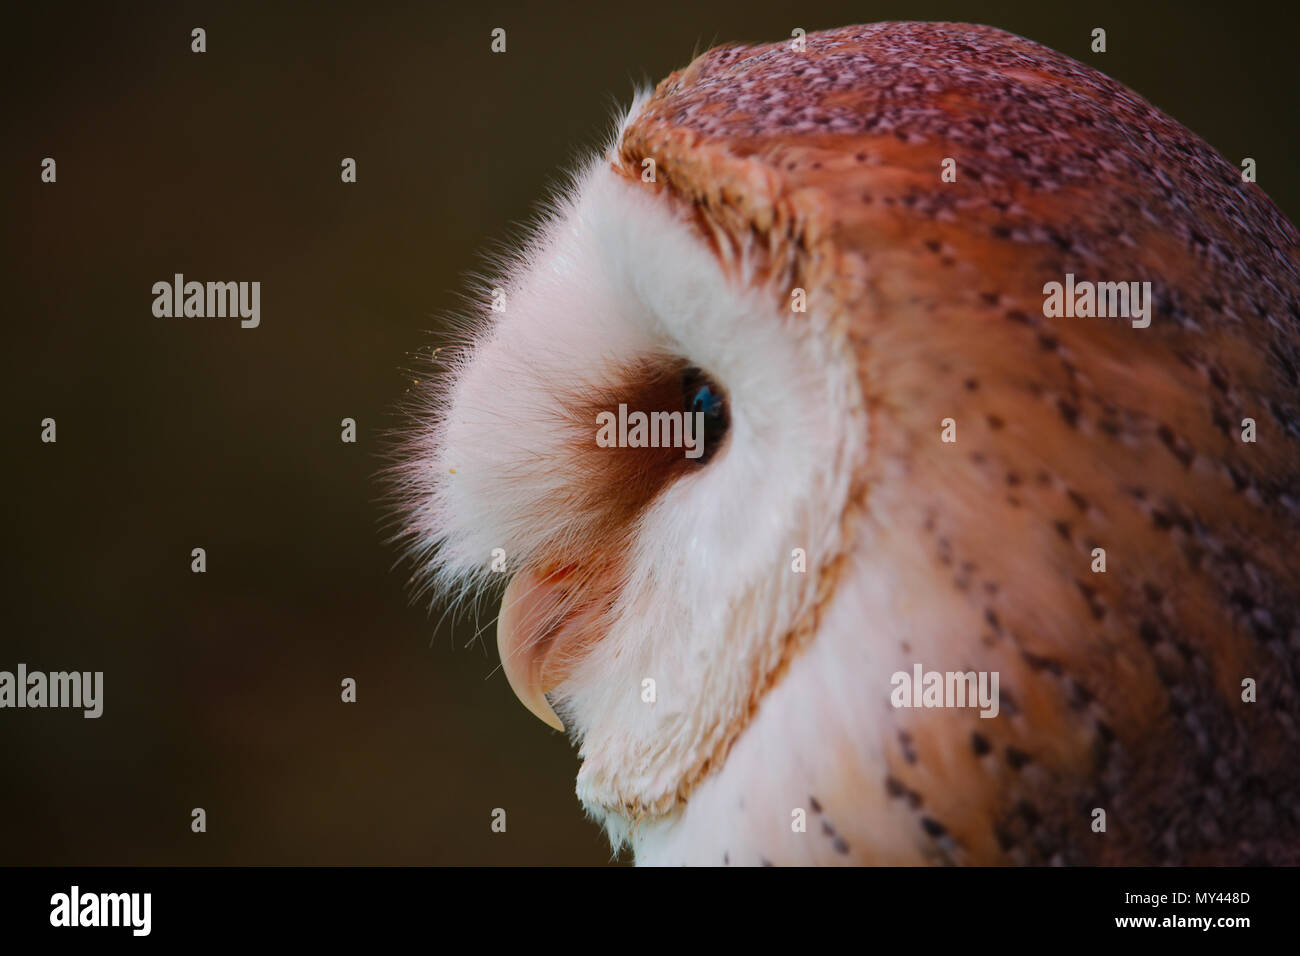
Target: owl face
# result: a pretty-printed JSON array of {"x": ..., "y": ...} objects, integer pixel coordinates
[{"x": 653, "y": 593}]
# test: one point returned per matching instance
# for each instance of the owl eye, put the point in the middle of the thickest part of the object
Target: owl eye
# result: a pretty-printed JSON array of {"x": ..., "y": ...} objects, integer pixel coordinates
[{"x": 700, "y": 393}]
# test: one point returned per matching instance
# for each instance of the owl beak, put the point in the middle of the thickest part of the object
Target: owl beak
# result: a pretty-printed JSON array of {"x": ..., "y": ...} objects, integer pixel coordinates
[{"x": 525, "y": 630}]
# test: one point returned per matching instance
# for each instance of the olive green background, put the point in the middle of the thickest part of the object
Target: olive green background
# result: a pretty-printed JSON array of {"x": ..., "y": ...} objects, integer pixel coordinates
[{"x": 222, "y": 689}]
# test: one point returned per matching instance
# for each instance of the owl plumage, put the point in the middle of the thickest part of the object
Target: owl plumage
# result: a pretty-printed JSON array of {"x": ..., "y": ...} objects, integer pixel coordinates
[{"x": 778, "y": 170}]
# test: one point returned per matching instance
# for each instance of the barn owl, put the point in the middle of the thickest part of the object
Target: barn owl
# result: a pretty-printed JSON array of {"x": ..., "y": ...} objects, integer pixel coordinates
[{"x": 835, "y": 257}]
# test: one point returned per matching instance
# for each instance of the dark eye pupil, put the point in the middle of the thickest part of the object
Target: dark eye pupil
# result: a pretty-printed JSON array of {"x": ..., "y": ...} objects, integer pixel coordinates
[
  {"x": 705, "y": 401},
  {"x": 701, "y": 394}
]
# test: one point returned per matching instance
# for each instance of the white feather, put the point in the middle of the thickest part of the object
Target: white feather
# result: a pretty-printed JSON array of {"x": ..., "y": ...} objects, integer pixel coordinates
[{"x": 711, "y": 594}]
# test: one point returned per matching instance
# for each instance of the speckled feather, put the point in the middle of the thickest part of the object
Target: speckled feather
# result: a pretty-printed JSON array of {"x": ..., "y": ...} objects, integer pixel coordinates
[{"x": 821, "y": 169}]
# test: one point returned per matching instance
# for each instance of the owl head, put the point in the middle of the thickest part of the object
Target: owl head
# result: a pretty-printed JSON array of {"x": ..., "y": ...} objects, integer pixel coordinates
[{"x": 697, "y": 429}]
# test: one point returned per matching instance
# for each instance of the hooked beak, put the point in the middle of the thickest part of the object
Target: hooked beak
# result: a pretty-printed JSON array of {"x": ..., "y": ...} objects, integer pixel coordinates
[{"x": 526, "y": 630}]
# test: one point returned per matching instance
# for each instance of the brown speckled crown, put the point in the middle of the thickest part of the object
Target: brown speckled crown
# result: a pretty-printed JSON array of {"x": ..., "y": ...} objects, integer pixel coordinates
[{"x": 1121, "y": 690}]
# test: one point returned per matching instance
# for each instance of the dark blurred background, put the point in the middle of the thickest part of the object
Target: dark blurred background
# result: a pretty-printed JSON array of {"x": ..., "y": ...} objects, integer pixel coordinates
[{"x": 222, "y": 689}]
